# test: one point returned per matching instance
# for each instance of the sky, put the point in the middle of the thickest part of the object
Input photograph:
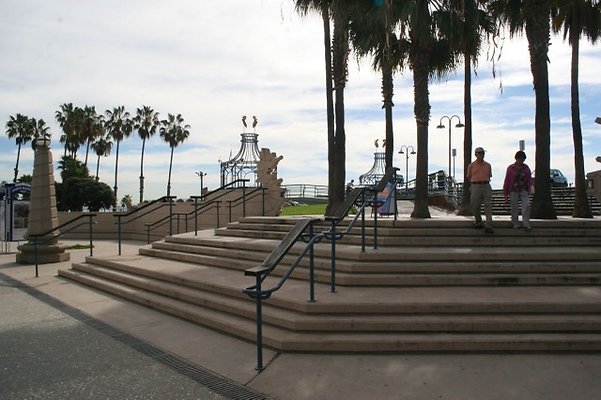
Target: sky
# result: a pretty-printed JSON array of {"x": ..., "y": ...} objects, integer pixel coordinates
[{"x": 214, "y": 61}]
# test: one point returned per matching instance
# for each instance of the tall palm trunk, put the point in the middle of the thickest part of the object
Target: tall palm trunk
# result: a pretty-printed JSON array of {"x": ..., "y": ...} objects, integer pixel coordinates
[
  {"x": 97, "y": 167},
  {"x": 340, "y": 63},
  {"x": 142, "y": 171},
  {"x": 582, "y": 208},
  {"x": 422, "y": 116},
  {"x": 388, "y": 92},
  {"x": 17, "y": 164},
  {"x": 465, "y": 206},
  {"x": 169, "y": 177},
  {"x": 538, "y": 32},
  {"x": 327, "y": 43},
  {"x": 87, "y": 151},
  {"x": 116, "y": 170}
]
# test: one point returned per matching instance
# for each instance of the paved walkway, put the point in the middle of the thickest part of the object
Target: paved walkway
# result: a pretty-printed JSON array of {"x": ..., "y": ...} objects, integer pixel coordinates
[{"x": 61, "y": 340}]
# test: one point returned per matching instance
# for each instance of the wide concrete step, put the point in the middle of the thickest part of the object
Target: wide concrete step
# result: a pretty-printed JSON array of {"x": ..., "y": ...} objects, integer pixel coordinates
[
  {"x": 241, "y": 259},
  {"x": 346, "y": 277},
  {"x": 364, "y": 333}
]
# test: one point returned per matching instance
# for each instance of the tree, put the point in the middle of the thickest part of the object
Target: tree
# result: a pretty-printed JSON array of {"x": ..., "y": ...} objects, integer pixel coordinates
[
  {"x": 39, "y": 129},
  {"x": 69, "y": 119},
  {"x": 533, "y": 17},
  {"x": 72, "y": 167},
  {"x": 146, "y": 122},
  {"x": 577, "y": 18},
  {"x": 429, "y": 54},
  {"x": 118, "y": 126},
  {"x": 336, "y": 58},
  {"x": 21, "y": 129},
  {"x": 372, "y": 33},
  {"x": 173, "y": 132},
  {"x": 92, "y": 127},
  {"x": 467, "y": 24},
  {"x": 102, "y": 147}
]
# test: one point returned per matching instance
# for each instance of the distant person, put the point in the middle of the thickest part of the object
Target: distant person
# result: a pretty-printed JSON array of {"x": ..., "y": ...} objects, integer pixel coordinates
[
  {"x": 479, "y": 173},
  {"x": 350, "y": 186},
  {"x": 517, "y": 188}
]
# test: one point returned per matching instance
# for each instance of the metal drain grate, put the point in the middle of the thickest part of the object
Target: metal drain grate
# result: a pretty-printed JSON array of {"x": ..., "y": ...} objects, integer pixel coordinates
[{"x": 216, "y": 383}]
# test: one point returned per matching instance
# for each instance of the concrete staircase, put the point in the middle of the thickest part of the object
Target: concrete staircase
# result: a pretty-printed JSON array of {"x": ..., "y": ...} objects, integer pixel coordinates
[
  {"x": 563, "y": 202},
  {"x": 431, "y": 285}
]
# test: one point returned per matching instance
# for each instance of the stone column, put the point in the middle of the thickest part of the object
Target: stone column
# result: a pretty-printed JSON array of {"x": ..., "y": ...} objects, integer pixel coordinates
[{"x": 42, "y": 211}]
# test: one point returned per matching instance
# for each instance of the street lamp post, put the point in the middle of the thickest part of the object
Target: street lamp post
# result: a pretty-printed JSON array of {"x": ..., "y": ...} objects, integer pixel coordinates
[
  {"x": 201, "y": 175},
  {"x": 406, "y": 150},
  {"x": 441, "y": 126},
  {"x": 454, "y": 152}
]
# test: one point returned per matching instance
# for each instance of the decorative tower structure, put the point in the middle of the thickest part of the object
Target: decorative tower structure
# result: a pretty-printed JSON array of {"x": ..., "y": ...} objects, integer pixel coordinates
[
  {"x": 377, "y": 171},
  {"x": 43, "y": 215},
  {"x": 244, "y": 164}
]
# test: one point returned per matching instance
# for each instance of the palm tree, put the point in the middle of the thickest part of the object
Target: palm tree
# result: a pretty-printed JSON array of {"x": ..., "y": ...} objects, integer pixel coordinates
[
  {"x": 92, "y": 127},
  {"x": 102, "y": 147},
  {"x": 69, "y": 119},
  {"x": 577, "y": 18},
  {"x": 372, "y": 33},
  {"x": 467, "y": 24},
  {"x": 39, "y": 129},
  {"x": 336, "y": 56},
  {"x": 533, "y": 17},
  {"x": 118, "y": 126},
  {"x": 173, "y": 132},
  {"x": 429, "y": 54},
  {"x": 21, "y": 129},
  {"x": 146, "y": 122}
]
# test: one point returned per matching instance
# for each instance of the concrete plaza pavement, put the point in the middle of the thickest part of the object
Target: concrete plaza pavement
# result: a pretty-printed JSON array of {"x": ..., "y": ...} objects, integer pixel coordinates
[{"x": 49, "y": 353}]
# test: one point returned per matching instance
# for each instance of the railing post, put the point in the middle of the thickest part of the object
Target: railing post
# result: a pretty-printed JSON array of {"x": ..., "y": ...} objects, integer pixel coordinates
[
  {"x": 196, "y": 216},
  {"x": 333, "y": 258},
  {"x": 376, "y": 221},
  {"x": 35, "y": 246},
  {"x": 170, "y": 216},
  {"x": 119, "y": 233},
  {"x": 91, "y": 240},
  {"x": 363, "y": 223},
  {"x": 230, "y": 205},
  {"x": 311, "y": 265},
  {"x": 147, "y": 234},
  {"x": 259, "y": 325},
  {"x": 243, "y": 199}
]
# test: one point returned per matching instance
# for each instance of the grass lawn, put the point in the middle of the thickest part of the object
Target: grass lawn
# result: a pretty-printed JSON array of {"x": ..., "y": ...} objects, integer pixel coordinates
[{"x": 308, "y": 209}]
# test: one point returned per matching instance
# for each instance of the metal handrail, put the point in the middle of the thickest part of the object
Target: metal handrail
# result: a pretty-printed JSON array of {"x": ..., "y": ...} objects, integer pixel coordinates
[
  {"x": 37, "y": 242},
  {"x": 242, "y": 199},
  {"x": 162, "y": 221},
  {"x": 137, "y": 211},
  {"x": 262, "y": 271}
]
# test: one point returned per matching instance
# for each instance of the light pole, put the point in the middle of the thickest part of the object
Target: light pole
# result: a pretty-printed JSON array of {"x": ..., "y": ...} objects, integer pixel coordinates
[
  {"x": 201, "y": 175},
  {"x": 441, "y": 126},
  {"x": 454, "y": 152},
  {"x": 406, "y": 150}
]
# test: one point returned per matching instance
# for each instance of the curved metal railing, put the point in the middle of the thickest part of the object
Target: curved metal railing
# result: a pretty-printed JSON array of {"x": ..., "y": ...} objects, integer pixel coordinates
[
  {"x": 60, "y": 232},
  {"x": 262, "y": 271}
]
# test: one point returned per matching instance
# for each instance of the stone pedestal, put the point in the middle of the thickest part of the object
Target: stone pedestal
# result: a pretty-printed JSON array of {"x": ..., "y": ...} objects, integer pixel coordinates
[{"x": 42, "y": 212}]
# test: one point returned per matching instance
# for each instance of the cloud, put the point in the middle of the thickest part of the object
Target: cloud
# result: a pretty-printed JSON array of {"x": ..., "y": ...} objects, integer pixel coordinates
[{"x": 216, "y": 61}]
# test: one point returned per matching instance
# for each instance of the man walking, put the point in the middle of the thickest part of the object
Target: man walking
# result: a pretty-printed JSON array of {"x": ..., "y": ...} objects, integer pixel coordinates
[{"x": 479, "y": 173}]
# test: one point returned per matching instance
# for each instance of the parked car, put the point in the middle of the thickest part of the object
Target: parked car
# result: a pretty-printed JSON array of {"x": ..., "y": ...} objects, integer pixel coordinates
[{"x": 557, "y": 179}]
